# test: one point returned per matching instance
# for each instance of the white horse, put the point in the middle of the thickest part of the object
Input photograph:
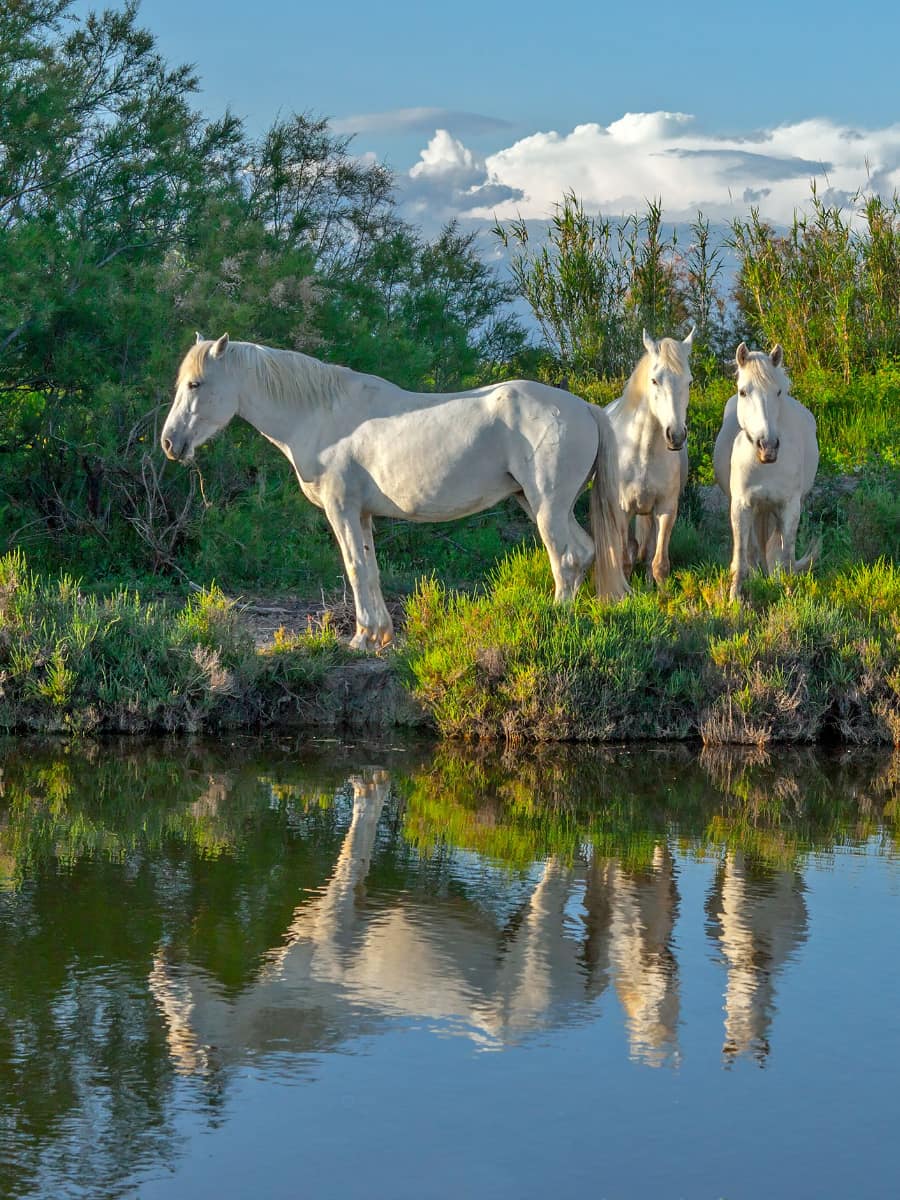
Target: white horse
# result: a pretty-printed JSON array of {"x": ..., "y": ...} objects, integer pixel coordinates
[
  {"x": 765, "y": 459},
  {"x": 650, "y": 424},
  {"x": 362, "y": 448}
]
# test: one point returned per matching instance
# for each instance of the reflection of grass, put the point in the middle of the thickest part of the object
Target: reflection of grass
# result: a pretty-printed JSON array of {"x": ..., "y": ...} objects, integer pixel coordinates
[
  {"x": 804, "y": 658},
  {"x": 520, "y": 809},
  {"x": 83, "y": 804}
]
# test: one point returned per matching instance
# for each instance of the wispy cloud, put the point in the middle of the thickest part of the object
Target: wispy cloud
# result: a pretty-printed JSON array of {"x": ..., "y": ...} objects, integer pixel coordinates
[
  {"x": 616, "y": 168},
  {"x": 420, "y": 120}
]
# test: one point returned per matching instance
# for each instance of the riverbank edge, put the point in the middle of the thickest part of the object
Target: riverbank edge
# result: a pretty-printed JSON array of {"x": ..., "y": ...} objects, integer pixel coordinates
[{"x": 802, "y": 662}]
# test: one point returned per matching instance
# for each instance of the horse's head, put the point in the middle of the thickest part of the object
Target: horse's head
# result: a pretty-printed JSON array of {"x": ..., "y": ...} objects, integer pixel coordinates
[
  {"x": 761, "y": 384},
  {"x": 668, "y": 390},
  {"x": 206, "y": 398}
]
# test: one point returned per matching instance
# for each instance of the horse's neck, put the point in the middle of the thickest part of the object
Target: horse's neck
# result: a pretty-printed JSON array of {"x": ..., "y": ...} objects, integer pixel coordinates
[{"x": 310, "y": 392}]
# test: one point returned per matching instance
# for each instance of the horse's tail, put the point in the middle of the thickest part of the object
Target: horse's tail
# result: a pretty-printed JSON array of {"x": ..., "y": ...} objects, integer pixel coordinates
[
  {"x": 805, "y": 564},
  {"x": 773, "y": 544},
  {"x": 607, "y": 518}
]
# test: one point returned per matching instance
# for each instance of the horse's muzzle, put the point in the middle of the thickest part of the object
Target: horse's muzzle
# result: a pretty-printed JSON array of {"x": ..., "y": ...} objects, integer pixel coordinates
[
  {"x": 767, "y": 456},
  {"x": 175, "y": 453}
]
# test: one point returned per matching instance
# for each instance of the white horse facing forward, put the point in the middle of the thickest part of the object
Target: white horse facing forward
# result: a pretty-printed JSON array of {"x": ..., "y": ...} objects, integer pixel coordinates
[
  {"x": 765, "y": 459},
  {"x": 362, "y": 448},
  {"x": 650, "y": 423}
]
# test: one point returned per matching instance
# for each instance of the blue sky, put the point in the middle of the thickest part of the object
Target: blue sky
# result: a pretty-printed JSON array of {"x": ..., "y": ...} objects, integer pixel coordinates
[{"x": 503, "y": 107}]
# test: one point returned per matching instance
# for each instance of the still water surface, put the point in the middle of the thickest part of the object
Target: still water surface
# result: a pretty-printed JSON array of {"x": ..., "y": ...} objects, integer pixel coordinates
[{"x": 331, "y": 970}]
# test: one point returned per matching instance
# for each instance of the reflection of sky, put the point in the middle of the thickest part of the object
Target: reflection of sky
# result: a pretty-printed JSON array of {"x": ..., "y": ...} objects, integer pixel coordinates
[{"x": 407, "y": 1114}]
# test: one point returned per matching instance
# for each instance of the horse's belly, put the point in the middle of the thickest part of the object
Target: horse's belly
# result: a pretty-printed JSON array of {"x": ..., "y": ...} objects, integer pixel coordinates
[{"x": 441, "y": 503}]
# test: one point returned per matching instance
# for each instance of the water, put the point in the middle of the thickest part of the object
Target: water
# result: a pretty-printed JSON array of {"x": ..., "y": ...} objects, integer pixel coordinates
[{"x": 315, "y": 969}]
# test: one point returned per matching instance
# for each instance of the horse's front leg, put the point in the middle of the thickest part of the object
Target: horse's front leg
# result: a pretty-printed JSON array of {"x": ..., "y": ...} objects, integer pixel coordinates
[
  {"x": 384, "y": 626},
  {"x": 665, "y": 522},
  {"x": 349, "y": 529},
  {"x": 788, "y": 519},
  {"x": 741, "y": 532}
]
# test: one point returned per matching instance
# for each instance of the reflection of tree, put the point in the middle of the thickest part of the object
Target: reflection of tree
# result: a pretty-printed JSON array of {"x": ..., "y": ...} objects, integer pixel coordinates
[
  {"x": 105, "y": 855},
  {"x": 83, "y": 1071},
  {"x": 758, "y": 917}
]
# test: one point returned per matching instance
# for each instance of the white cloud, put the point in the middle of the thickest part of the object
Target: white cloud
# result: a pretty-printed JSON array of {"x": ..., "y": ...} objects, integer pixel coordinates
[
  {"x": 617, "y": 168},
  {"x": 449, "y": 180}
]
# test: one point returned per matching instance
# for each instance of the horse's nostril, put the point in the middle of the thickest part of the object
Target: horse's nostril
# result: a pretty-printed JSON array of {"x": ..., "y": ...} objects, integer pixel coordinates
[{"x": 167, "y": 446}]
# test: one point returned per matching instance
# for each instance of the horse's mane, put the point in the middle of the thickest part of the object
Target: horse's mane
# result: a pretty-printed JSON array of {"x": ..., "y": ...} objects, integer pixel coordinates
[
  {"x": 760, "y": 369},
  {"x": 669, "y": 353},
  {"x": 286, "y": 376}
]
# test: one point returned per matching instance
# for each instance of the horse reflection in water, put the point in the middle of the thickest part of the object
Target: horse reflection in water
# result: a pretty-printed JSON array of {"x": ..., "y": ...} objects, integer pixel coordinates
[
  {"x": 348, "y": 964},
  {"x": 758, "y": 917}
]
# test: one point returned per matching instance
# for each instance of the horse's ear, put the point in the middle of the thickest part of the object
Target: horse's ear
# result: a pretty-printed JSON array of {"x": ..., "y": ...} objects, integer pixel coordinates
[
  {"x": 689, "y": 340},
  {"x": 219, "y": 346},
  {"x": 198, "y": 337},
  {"x": 777, "y": 355},
  {"x": 742, "y": 355},
  {"x": 649, "y": 344}
]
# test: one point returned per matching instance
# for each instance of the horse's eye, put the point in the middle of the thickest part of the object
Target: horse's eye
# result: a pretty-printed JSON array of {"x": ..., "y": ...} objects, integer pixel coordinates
[
  {"x": 743, "y": 393},
  {"x": 193, "y": 384},
  {"x": 779, "y": 391},
  {"x": 655, "y": 382}
]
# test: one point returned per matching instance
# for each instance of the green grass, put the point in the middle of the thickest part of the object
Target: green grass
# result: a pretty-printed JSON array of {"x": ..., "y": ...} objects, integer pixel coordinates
[
  {"x": 75, "y": 662},
  {"x": 805, "y": 659}
]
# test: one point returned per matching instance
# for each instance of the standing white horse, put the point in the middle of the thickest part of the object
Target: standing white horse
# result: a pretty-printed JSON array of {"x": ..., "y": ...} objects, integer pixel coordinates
[
  {"x": 765, "y": 459},
  {"x": 362, "y": 448},
  {"x": 650, "y": 424}
]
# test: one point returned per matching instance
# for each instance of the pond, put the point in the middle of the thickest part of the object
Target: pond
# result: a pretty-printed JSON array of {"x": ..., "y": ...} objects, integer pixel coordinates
[{"x": 325, "y": 969}]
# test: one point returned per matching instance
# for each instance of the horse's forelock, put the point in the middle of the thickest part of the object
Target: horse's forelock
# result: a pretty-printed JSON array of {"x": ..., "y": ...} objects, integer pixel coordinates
[
  {"x": 760, "y": 369},
  {"x": 193, "y": 362},
  {"x": 670, "y": 353}
]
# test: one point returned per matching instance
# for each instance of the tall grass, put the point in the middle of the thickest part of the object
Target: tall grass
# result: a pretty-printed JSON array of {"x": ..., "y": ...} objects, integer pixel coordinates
[
  {"x": 74, "y": 662},
  {"x": 829, "y": 288}
]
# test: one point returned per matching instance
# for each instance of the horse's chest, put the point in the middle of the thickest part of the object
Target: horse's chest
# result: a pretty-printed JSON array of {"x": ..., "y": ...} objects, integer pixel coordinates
[
  {"x": 640, "y": 489},
  {"x": 310, "y": 490}
]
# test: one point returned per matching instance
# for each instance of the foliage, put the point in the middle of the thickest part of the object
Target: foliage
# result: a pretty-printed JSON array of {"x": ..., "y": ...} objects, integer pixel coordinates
[
  {"x": 127, "y": 220},
  {"x": 828, "y": 289},
  {"x": 76, "y": 663}
]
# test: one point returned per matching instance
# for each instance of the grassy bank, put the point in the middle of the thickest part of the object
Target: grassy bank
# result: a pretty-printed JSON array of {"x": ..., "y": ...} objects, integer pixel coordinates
[
  {"x": 78, "y": 663},
  {"x": 806, "y": 659}
]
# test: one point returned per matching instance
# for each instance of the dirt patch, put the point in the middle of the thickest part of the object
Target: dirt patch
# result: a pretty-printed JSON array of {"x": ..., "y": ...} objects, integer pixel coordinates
[{"x": 264, "y": 616}]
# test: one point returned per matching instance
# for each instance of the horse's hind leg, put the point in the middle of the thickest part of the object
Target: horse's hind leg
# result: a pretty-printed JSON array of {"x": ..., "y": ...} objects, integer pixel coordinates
[
  {"x": 787, "y": 520},
  {"x": 758, "y": 554},
  {"x": 644, "y": 530},
  {"x": 569, "y": 548}
]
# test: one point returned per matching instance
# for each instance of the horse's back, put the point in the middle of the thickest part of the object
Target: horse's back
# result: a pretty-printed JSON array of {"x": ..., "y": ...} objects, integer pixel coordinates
[{"x": 805, "y": 431}]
